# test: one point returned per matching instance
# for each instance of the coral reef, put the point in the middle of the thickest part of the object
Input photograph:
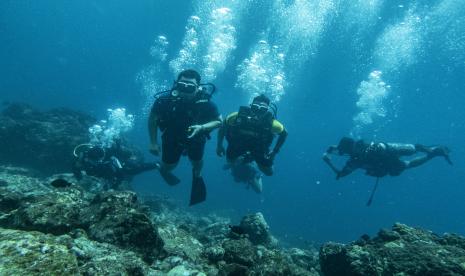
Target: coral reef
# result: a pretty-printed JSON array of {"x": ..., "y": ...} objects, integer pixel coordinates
[
  {"x": 41, "y": 140},
  {"x": 401, "y": 251},
  {"x": 73, "y": 230}
]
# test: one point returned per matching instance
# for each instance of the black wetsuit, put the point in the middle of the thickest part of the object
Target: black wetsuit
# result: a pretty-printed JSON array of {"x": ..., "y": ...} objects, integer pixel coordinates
[
  {"x": 175, "y": 116},
  {"x": 380, "y": 159},
  {"x": 115, "y": 166}
]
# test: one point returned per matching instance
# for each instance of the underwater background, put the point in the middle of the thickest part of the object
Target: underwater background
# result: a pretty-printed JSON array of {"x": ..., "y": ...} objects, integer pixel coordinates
[{"x": 383, "y": 70}]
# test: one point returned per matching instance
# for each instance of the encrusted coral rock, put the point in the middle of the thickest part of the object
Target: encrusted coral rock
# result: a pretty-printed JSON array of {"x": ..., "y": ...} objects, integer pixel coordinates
[
  {"x": 111, "y": 233},
  {"x": 256, "y": 227},
  {"x": 402, "y": 251},
  {"x": 215, "y": 253},
  {"x": 26, "y": 253},
  {"x": 41, "y": 140},
  {"x": 31, "y": 205},
  {"x": 35, "y": 253},
  {"x": 96, "y": 258},
  {"x": 179, "y": 242},
  {"x": 113, "y": 218},
  {"x": 240, "y": 252}
]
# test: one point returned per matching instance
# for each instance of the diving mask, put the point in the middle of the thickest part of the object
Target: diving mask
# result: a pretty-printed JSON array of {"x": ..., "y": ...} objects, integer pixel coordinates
[
  {"x": 186, "y": 87},
  {"x": 259, "y": 108}
]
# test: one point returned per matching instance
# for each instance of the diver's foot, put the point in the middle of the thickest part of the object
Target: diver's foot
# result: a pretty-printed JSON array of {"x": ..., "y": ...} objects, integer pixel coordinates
[
  {"x": 257, "y": 184},
  {"x": 440, "y": 151},
  {"x": 169, "y": 178}
]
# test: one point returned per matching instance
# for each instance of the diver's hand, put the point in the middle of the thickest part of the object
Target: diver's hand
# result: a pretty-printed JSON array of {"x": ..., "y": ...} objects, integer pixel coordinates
[
  {"x": 195, "y": 130},
  {"x": 155, "y": 149},
  {"x": 271, "y": 155},
  {"x": 220, "y": 151},
  {"x": 326, "y": 157},
  {"x": 331, "y": 149}
]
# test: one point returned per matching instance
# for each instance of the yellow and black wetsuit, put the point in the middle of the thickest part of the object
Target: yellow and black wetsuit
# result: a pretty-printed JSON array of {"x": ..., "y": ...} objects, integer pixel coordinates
[{"x": 246, "y": 133}]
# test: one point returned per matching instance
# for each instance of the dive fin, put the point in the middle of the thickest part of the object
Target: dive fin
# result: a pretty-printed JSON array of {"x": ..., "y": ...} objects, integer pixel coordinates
[
  {"x": 199, "y": 191},
  {"x": 170, "y": 178}
]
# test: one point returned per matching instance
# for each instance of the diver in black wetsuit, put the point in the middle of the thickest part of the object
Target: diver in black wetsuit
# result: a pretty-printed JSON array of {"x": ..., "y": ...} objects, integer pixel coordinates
[
  {"x": 381, "y": 159},
  {"x": 185, "y": 115},
  {"x": 113, "y": 164}
]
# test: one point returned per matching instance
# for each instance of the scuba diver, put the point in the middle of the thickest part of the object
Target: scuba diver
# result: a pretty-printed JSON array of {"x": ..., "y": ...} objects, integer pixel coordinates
[
  {"x": 113, "y": 164},
  {"x": 381, "y": 159},
  {"x": 185, "y": 115},
  {"x": 250, "y": 133}
]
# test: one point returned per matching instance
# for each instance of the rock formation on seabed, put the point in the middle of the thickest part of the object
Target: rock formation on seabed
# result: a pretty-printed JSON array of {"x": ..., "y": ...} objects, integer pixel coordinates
[
  {"x": 69, "y": 231},
  {"x": 401, "y": 251},
  {"x": 38, "y": 140}
]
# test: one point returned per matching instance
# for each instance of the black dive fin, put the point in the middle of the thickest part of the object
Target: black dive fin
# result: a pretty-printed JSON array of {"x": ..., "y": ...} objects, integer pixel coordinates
[
  {"x": 198, "y": 192},
  {"x": 170, "y": 178}
]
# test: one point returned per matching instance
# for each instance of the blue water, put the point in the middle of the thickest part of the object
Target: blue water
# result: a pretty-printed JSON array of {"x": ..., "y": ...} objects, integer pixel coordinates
[{"x": 92, "y": 55}]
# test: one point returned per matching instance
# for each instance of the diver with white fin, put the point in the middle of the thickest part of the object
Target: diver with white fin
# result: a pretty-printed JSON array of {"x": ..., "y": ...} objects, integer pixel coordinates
[
  {"x": 381, "y": 159},
  {"x": 185, "y": 115},
  {"x": 250, "y": 133},
  {"x": 113, "y": 164}
]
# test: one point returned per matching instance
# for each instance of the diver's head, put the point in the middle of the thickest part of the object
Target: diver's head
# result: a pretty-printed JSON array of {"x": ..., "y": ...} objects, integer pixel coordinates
[
  {"x": 260, "y": 105},
  {"x": 346, "y": 146},
  {"x": 187, "y": 84}
]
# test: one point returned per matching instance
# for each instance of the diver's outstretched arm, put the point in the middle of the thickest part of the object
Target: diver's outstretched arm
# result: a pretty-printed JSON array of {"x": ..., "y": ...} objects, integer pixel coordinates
[
  {"x": 348, "y": 168},
  {"x": 331, "y": 149},
  {"x": 327, "y": 160}
]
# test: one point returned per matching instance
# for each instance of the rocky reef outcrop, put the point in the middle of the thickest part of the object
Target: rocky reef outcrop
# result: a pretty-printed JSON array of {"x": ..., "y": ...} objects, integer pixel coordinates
[
  {"x": 72, "y": 229},
  {"x": 41, "y": 140},
  {"x": 401, "y": 251}
]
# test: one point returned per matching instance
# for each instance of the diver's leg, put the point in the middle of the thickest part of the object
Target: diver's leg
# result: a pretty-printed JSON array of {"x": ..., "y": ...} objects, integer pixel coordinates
[
  {"x": 197, "y": 166},
  {"x": 133, "y": 168},
  {"x": 195, "y": 151},
  {"x": 264, "y": 164},
  {"x": 433, "y": 151},
  {"x": 402, "y": 149},
  {"x": 171, "y": 153},
  {"x": 268, "y": 171},
  {"x": 256, "y": 183},
  {"x": 417, "y": 161}
]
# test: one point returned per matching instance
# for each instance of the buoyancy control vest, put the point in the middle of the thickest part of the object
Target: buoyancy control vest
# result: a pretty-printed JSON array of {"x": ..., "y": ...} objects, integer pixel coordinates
[
  {"x": 249, "y": 127},
  {"x": 176, "y": 112}
]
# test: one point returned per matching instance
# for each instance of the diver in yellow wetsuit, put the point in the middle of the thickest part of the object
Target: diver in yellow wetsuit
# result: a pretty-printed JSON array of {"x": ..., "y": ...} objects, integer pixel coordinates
[{"x": 250, "y": 133}]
